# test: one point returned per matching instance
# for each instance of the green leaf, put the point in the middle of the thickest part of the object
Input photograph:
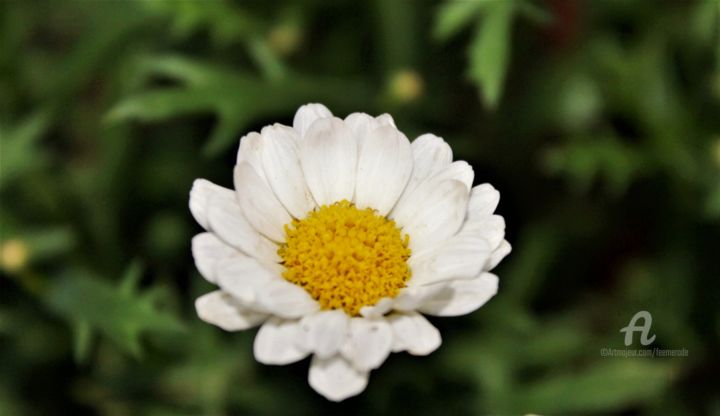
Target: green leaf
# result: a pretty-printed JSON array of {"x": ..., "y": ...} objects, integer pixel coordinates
[
  {"x": 606, "y": 158},
  {"x": 121, "y": 316},
  {"x": 534, "y": 12},
  {"x": 193, "y": 72},
  {"x": 225, "y": 22},
  {"x": 19, "y": 152},
  {"x": 129, "y": 281},
  {"x": 82, "y": 341},
  {"x": 712, "y": 203},
  {"x": 50, "y": 243},
  {"x": 490, "y": 51},
  {"x": 608, "y": 386},
  {"x": 161, "y": 104},
  {"x": 453, "y": 16},
  {"x": 534, "y": 256},
  {"x": 235, "y": 97},
  {"x": 270, "y": 65}
]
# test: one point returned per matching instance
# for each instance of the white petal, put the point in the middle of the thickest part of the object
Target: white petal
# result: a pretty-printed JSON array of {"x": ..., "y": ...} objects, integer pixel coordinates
[
  {"x": 324, "y": 332},
  {"x": 307, "y": 114},
  {"x": 207, "y": 251},
  {"x": 385, "y": 120},
  {"x": 250, "y": 151},
  {"x": 460, "y": 257},
  {"x": 377, "y": 310},
  {"x": 428, "y": 172},
  {"x": 328, "y": 155},
  {"x": 417, "y": 189},
  {"x": 261, "y": 286},
  {"x": 497, "y": 255},
  {"x": 228, "y": 222},
  {"x": 414, "y": 334},
  {"x": 219, "y": 308},
  {"x": 369, "y": 343},
  {"x": 483, "y": 201},
  {"x": 439, "y": 213},
  {"x": 384, "y": 166},
  {"x": 361, "y": 124},
  {"x": 412, "y": 297},
  {"x": 335, "y": 378},
  {"x": 459, "y": 170},
  {"x": 260, "y": 206},
  {"x": 200, "y": 194},
  {"x": 431, "y": 154},
  {"x": 282, "y": 298},
  {"x": 244, "y": 277},
  {"x": 491, "y": 228},
  {"x": 464, "y": 297},
  {"x": 281, "y": 163},
  {"x": 276, "y": 342}
]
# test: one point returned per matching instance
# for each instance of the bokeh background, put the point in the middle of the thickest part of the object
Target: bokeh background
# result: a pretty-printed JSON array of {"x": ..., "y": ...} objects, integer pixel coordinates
[{"x": 598, "y": 121}]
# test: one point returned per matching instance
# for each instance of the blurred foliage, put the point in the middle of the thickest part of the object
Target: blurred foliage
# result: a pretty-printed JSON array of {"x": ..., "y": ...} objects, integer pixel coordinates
[{"x": 598, "y": 121}]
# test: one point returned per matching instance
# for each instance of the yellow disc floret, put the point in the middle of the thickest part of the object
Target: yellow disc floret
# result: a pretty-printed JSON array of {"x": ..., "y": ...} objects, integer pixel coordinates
[{"x": 346, "y": 257}]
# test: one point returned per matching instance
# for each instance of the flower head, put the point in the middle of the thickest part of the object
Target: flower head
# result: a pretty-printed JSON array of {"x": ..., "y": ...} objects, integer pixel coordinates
[{"x": 339, "y": 236}]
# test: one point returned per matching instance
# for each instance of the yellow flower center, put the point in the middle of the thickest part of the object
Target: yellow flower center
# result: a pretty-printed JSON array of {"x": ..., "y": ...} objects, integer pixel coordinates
[{"x": 345, "y": 257}]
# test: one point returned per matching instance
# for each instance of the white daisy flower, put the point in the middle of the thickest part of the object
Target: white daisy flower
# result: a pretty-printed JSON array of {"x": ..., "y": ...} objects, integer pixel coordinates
[{"x": 339, "y": 236}]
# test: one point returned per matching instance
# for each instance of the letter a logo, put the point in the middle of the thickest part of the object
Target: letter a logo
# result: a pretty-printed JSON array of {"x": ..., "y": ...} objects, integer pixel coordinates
[{"x": 643, "y": 329}]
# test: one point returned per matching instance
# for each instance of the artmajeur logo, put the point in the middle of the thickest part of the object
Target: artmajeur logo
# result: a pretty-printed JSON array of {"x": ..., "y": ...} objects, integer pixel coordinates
[{"x": 643, "y": 327}]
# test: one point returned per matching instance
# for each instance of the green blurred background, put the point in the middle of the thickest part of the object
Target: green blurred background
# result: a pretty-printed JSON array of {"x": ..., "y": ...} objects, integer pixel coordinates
[{"x": 599, "y": 122}]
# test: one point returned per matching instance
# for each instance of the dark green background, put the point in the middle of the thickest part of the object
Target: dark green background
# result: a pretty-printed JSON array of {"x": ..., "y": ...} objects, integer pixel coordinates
[{"x": 598, "y": 122}]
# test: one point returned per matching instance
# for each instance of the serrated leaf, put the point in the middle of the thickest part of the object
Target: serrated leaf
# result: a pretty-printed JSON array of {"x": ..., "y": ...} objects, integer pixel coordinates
[
  {"x": 490, "y": 51},
  {"x": 120, "y": 316},
  {"x": 235, "y": 97}
]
